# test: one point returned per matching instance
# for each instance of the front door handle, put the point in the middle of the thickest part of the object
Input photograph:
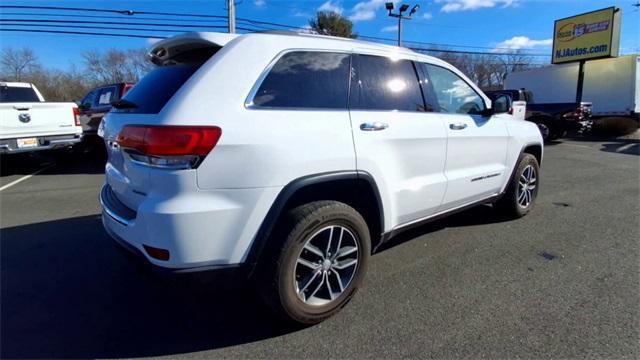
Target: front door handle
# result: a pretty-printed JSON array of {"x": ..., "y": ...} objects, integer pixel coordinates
[
  {"x": 375, "y": 126},
  {"x": 458, "y": 126}
]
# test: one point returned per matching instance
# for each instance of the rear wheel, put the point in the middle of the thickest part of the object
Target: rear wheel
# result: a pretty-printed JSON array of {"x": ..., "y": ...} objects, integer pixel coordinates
[
  {"x": 522, "y": 191},
  {"x": 320, "y": 264}
]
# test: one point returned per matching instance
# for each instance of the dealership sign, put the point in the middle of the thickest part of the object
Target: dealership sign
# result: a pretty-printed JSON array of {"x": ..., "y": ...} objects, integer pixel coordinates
[{"x": 588, "y": 36}]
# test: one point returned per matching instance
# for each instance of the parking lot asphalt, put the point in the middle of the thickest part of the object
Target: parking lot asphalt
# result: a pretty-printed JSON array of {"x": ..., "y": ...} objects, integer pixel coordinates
[{"x": 562, "y": 282}]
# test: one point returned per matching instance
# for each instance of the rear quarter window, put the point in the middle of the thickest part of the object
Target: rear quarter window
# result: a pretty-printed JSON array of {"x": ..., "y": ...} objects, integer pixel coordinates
[{"x": 306, "y": 79}]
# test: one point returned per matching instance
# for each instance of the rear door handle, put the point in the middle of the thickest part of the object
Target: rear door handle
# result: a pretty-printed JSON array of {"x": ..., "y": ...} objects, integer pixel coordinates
[
  {"x": 458, "y": 126},
  {"x": 375, "y": 126}
]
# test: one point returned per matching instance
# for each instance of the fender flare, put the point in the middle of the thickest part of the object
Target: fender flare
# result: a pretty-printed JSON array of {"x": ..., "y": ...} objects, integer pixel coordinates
[{"x": 279, "y": 205}]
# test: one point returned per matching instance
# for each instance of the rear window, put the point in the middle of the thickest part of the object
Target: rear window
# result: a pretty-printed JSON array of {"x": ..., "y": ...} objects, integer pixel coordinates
[
  {"x": 152, "y": 93},
  {"x": 18, "y": 94},
  {"x": 306, "y": 79}
]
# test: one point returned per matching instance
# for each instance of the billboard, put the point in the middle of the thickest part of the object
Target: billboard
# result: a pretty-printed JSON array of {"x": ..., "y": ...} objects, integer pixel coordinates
[{"x": 587, "y": 36}]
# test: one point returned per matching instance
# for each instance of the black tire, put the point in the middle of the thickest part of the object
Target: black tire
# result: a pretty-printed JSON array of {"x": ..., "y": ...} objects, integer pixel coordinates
[
  {"x": 277, "y": 273},
  {"x": 511, "y": 204}
]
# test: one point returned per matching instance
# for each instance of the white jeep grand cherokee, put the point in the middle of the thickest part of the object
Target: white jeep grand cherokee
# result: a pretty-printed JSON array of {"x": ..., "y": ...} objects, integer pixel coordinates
[{"x": 293, "y": 156}]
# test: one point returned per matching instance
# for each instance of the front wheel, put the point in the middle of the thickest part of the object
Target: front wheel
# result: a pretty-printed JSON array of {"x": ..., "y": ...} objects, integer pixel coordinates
[
  {"x": 320, "y": 264},
  {"x": 522, "y": 190}
]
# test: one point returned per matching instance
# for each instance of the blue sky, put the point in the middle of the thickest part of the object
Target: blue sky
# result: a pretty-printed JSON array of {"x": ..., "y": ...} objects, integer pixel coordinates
[{"x": 477, "y": 25}]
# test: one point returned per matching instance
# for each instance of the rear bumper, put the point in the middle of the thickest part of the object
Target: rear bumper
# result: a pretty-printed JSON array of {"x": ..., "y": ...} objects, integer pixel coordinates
[
  {"x": 210, "y": 231},
  {"x": 10, "y": 146}
]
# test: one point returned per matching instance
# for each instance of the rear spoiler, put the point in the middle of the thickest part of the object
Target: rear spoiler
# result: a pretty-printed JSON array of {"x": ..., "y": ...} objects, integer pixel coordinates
[{"x": 164, "y": 51}]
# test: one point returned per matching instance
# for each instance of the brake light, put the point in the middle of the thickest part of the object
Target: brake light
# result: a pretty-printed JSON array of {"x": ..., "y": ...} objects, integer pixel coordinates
[
  {"x": 176, "y": 147},
  {"x": 76, "y": 116}
]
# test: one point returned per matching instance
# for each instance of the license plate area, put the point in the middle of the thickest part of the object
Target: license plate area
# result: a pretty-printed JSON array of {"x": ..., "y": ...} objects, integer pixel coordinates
[{"x": 27, "y": 143}]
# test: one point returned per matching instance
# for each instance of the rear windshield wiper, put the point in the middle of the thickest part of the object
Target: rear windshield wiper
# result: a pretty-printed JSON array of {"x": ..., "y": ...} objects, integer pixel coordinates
[{"x": 123, "y": 104}]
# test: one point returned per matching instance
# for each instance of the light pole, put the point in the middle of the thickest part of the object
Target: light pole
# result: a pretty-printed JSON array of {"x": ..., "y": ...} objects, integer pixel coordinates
[{"x": 403, "y": 8}]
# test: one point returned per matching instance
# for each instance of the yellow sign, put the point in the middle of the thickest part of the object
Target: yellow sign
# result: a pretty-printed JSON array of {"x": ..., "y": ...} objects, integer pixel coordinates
[{"x": 588, "y": 36}]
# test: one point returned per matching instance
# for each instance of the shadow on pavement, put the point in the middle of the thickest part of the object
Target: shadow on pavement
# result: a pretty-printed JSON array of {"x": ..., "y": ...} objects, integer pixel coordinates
[
  {"x": 629, "y": 147},
  {"x": 69, "y": 292},
  {"x": 90, "y": 160},
  {"x": 482, "y": 214}
]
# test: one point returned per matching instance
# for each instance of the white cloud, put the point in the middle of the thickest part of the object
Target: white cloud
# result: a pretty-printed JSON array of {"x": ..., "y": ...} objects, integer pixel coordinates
[
  {"x": 260, "y": 3},
  {"x": 331, "y": 7},
  {"x": 427, "y": 16},
  {"x": 390, "y": 28},
  {"x": 463, "y": 5},
  {"x": 521, "y": 42},
  {"x": 298, "y": 13},
  {"x": 366, "y": 10}
]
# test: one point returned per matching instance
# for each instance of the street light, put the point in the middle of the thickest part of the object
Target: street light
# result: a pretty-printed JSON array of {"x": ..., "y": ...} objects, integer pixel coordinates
[{"x": 403, "y": 8}]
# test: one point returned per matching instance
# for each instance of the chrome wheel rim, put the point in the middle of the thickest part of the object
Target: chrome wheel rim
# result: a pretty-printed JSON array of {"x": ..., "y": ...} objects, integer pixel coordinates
[
  {"x": 326, "y": 265},
  {"x": 527, "y": 186}
]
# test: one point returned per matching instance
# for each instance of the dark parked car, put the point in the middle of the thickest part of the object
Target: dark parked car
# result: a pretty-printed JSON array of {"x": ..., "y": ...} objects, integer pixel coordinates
[
  {"x": 97, "y": 103},
  {"x": 553, "y": 119}
]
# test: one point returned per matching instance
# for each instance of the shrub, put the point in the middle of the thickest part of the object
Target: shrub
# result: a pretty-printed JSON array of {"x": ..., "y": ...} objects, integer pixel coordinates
[{"x": 615, "y": 126}]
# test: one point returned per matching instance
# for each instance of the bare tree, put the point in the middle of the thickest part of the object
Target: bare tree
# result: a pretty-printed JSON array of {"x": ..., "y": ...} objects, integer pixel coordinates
[
  {"x": 16, "y": 62},
  {"x": 115, "y": 65}
]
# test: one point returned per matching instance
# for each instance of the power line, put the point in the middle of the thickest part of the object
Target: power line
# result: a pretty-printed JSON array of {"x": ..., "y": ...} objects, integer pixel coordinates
[
  {"x": 113, "y": 23},
  {"x": 101, "y": 27},
  {"x": 250, "y": 21},
  {"x": 111, "y": 17},
  {"x": 84, "y": 33},
  {"x": 148, "y": 36}
]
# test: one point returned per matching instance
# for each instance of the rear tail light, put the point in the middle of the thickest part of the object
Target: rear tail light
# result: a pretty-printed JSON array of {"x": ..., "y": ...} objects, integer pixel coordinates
[
  {"x": 76, "y": 116},
  {"x": 172, "y": 147}
]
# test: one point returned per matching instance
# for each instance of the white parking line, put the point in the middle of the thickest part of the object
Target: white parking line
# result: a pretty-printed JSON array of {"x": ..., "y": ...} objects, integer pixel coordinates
[
  {"x": 26, "y": 177},
  {"x": 626, "y": 147}
]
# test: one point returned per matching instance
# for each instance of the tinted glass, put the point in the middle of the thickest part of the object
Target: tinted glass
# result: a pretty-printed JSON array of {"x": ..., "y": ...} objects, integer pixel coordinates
[
  {"x": 89, "y": 99},
  {"x": 157, "y": 87},
  {"x": 304, "y": 79},
  {"x": 17, "y": 94},
  {"x": 107, "y": 95},
  {"x": 386, "y": 84},
  {"x": 454, "y": 95}
]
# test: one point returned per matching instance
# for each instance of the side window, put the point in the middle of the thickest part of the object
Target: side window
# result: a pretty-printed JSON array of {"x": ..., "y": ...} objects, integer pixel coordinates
[
  {"x": 386, "y": 84},
  {"x": 107, "y": 95},
  {"x": 502, "y": 101},
  {"x": 306, "y": 79},
  {"x": 454, "y": 95},
  {"x": 90, "y": 99}
]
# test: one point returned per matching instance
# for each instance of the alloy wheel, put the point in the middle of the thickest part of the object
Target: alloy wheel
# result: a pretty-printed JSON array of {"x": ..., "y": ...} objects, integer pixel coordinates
[
  {"x": 326, "y": 265},
  {"x": 526, "y": 186}
]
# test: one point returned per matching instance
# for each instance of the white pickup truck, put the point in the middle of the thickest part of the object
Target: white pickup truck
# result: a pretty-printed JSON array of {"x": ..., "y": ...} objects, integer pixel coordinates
[{"x": 28, "y": 123}]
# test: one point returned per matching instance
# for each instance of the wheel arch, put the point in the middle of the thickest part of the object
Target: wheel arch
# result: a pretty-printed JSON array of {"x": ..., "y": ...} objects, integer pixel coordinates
[
  {"x": 357, "y": 189},
  {"x": 534, "y": 149}
]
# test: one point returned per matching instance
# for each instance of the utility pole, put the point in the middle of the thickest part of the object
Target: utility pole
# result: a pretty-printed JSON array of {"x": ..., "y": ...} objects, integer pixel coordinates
[
  {"x": 232, "y": 16},
  {"x": 403, "y": 8}
]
